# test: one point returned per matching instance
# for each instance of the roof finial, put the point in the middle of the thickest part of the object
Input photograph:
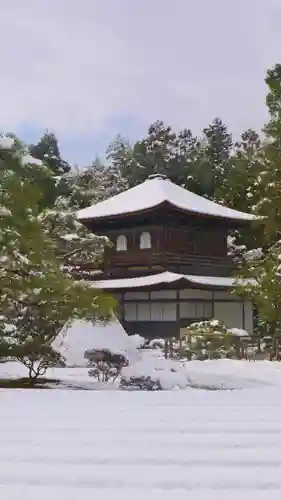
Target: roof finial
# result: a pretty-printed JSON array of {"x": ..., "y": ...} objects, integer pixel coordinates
[{"x": 158, "y": 176}]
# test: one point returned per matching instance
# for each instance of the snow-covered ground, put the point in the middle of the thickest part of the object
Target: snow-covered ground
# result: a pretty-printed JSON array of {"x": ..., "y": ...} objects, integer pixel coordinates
[
  {"x": 80, "y": 445},
  {"x": 198, "y": 444},
  {"x": 190, "y": 442},
  {"x": 213, "y": 374}
]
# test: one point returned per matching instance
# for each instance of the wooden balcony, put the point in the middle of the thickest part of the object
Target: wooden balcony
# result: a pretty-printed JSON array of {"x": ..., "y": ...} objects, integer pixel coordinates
[{"x": 124, "y": 263}]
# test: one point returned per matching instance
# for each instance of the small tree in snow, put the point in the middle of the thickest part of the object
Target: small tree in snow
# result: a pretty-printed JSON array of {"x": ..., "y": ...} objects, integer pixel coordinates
[{"x": 106, "y": 365}]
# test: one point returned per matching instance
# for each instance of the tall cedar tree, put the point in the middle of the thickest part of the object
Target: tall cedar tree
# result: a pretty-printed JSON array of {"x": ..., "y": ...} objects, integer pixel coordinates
[
  {"x": 161, "y": 152},
  {"x": 47, "y": 150},
  {"x": 216, "y": 159}
]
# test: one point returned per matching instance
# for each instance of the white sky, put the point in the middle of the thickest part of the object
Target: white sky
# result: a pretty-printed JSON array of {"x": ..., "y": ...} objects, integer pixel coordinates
[{"x": 75, "y": 66}]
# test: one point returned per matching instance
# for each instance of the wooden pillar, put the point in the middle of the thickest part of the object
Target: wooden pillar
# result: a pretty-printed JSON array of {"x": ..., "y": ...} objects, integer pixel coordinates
[
  {"x": 178, "y": 312},
  {"x": 213, "y": 304},
  {"x": 243, "y": 315}
]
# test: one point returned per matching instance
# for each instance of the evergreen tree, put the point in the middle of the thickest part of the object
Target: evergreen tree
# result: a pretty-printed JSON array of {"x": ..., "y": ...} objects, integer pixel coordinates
[
  {"x": 94, "y": 184},
  {"x": 161, "y": 152},
  {"x": 243, "y": 192},
  {"x": 38, "y": 294},
  {"x": 47, "y": 150},
  {"x": 215, "y": 166},
  {"x": 262, "y": 270},
  {"x": 265, "y": 291},
  {"x": 268, "y": 183},
  {"x": 247, "y": 162}
]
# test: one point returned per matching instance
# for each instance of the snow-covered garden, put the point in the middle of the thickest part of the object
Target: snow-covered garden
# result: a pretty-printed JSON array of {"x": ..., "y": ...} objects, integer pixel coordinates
[
  {"x": 123, "y": 444},
  {"x": 87, "y": 410},
  {"x": 214, "y": 431},
  {"x": 143, "y": 365}
]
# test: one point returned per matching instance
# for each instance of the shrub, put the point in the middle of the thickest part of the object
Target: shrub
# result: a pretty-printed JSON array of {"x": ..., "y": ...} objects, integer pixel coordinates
[
  {"x": 142, "y": 383},
  {"x": 157, "y": 344},
  {"x": 106, "y": 365},
  {"x": 208, "y": 340}
]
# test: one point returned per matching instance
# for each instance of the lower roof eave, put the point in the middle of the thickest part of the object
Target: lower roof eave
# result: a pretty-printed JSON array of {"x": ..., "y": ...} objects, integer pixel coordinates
[{"x": 167, "y": 278}]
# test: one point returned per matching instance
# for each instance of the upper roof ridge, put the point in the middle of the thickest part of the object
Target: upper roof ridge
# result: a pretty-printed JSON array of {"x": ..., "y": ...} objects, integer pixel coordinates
[{"x": 162, "y": 177}]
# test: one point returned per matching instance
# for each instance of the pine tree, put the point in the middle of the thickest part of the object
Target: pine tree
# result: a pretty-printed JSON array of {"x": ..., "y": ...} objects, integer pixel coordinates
[
  {"x": 247, "y": 162},
  {"x": 38, "y": 294},
  {"x": 265, "y": 291},
  {"x": 215, "y": 167},
  {"x": 47, "y": 150},
  {"x": 162, "y": 151},
  {"x": 243, "y": 192},
  {"x": 94, "y": 184}
]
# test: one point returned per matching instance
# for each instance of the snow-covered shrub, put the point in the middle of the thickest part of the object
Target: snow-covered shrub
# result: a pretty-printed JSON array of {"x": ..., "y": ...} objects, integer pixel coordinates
[
  {"x": 154, "y": 372},
  {"x": 142, "y": 383},
  {"x": 157, "y": 344},
  {"x": 138, "y": 341},
  {"x": 210, "y": 327},
  {"x": 210, "y": 340},
  {"x": 106, "y": 365}
]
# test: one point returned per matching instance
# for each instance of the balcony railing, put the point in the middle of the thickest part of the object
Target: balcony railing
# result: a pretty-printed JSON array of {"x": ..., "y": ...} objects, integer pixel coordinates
[{"x": 192, "y": 263}]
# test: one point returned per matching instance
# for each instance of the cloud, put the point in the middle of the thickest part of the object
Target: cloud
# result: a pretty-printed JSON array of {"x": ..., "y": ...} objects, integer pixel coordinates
[{"x": 77, "y": 66}]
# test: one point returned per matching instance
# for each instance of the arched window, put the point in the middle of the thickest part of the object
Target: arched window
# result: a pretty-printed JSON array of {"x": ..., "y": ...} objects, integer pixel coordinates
[
  {"x": 145, "y": 240},
  {"x": 121, "y": 243}
]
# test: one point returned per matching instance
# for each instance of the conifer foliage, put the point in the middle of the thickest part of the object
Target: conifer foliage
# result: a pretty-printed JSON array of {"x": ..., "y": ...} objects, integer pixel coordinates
[{"x": 38, "y": 294}]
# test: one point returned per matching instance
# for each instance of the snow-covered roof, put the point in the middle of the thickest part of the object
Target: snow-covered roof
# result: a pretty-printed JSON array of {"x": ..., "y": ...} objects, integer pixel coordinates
[
  {"x": 166, "y": 277},
  {"x": 152, "y": 193}
]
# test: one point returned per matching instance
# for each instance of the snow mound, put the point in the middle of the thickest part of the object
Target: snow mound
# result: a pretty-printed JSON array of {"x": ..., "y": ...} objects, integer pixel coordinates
[
  {"x": 157, "y": 344},
  {"x": 81, "y": 336},
  {"x": 137, "y": 340},
  {"x": 171, "y": 374},
  {"x": 6, "y": 142},
  {"x": 238, "y": 332}
]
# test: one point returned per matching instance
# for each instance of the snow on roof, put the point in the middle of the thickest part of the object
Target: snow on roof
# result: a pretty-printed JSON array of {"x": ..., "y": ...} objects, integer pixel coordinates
[
  {"x": 80, "y": 336},
  {"x": 153, "y": 192},
  {"x": 166, "y": 277}
]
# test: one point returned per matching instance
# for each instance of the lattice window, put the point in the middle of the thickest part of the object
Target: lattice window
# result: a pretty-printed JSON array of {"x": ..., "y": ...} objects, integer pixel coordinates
[
  {"x": 121, "y": 243},
  {"x": 150, "y": 311},
  {"x": 196, "y": 310},
  {"x": 145, "y": 240}
]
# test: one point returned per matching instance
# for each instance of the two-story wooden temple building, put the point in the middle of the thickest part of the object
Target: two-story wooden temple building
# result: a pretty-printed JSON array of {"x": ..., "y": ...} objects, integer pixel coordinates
[{"x": 168, "y": 265}]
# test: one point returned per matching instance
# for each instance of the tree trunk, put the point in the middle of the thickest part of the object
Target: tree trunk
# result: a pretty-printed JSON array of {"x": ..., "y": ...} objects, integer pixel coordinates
[
  {"x": 166, "y": 349},
  {"x": 272, "y": 333}
]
